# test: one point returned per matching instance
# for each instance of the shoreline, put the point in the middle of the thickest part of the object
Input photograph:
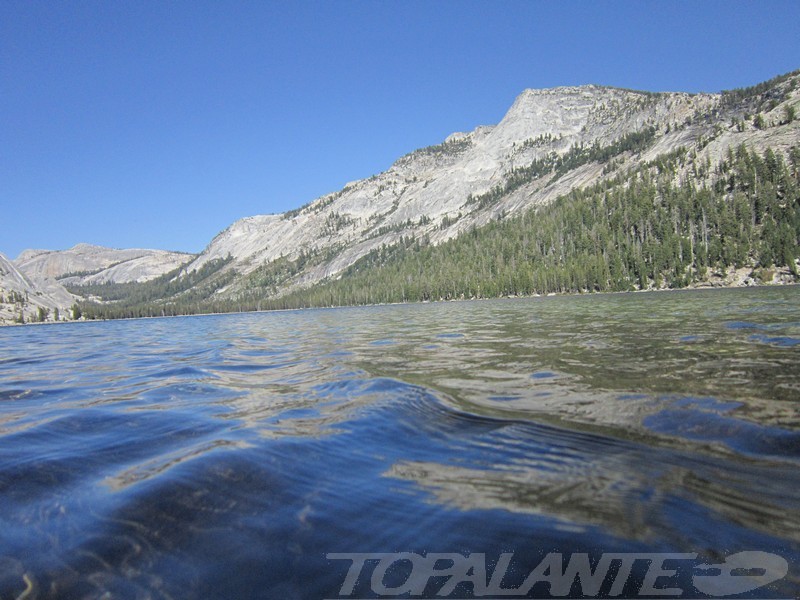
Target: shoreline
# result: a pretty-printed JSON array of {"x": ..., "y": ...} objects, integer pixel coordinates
[{"x": 697, "y": 286}]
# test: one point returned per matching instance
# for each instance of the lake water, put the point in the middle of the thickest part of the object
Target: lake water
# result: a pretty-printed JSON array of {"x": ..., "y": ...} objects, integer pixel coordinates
[{"x": 229, "y": 456}]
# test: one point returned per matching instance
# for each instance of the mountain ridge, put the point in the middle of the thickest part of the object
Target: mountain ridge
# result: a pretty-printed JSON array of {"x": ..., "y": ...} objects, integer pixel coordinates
[
  {"x": 561, "y": 112},
  {"x": 549, "y": 143},
  {"x": 102, "y": 261}
]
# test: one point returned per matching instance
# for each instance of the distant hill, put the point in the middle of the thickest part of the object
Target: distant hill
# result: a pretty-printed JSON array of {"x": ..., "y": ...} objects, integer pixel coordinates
[
  {"x": 89, "y": 264},
  {"x": 32, "y": 286}
]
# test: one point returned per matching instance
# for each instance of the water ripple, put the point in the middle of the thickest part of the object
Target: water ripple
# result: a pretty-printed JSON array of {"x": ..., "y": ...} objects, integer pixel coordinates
[{"x": 223, "y": 456}]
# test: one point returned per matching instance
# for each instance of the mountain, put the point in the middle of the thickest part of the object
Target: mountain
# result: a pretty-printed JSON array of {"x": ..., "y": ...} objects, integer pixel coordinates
[
  {"x": 23, "y": 299},
  {"x": 87, "y": 264},
  {"x": 427, "y": 193},
  {"x": 437, "y": 182},
  {"x": 604, "y": 188}
]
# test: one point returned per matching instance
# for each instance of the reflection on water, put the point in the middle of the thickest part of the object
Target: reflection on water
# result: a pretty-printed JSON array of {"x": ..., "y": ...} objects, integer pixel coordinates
[{"x": 224, "y": 456}]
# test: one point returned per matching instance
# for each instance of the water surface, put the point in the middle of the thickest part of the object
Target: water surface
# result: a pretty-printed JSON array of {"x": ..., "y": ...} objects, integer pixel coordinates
[{"x": 225, "y": 456}]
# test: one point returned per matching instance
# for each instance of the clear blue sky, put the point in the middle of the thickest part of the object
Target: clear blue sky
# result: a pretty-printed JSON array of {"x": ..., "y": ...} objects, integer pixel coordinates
[{"x": 157, "y": 124}]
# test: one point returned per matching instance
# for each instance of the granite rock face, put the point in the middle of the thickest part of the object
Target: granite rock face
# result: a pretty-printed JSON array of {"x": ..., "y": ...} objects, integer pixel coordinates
[
  {"x": 22, "y": 297},
  {"x": 86, "y": 263}
]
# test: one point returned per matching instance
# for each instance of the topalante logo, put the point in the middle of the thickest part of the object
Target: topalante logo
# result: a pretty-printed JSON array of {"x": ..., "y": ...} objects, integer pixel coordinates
[{"x": 614, "y": 575}]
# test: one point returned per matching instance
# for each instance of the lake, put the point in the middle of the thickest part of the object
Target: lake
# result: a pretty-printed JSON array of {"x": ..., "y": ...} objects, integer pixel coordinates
[{"x": 260, "y": 455}]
